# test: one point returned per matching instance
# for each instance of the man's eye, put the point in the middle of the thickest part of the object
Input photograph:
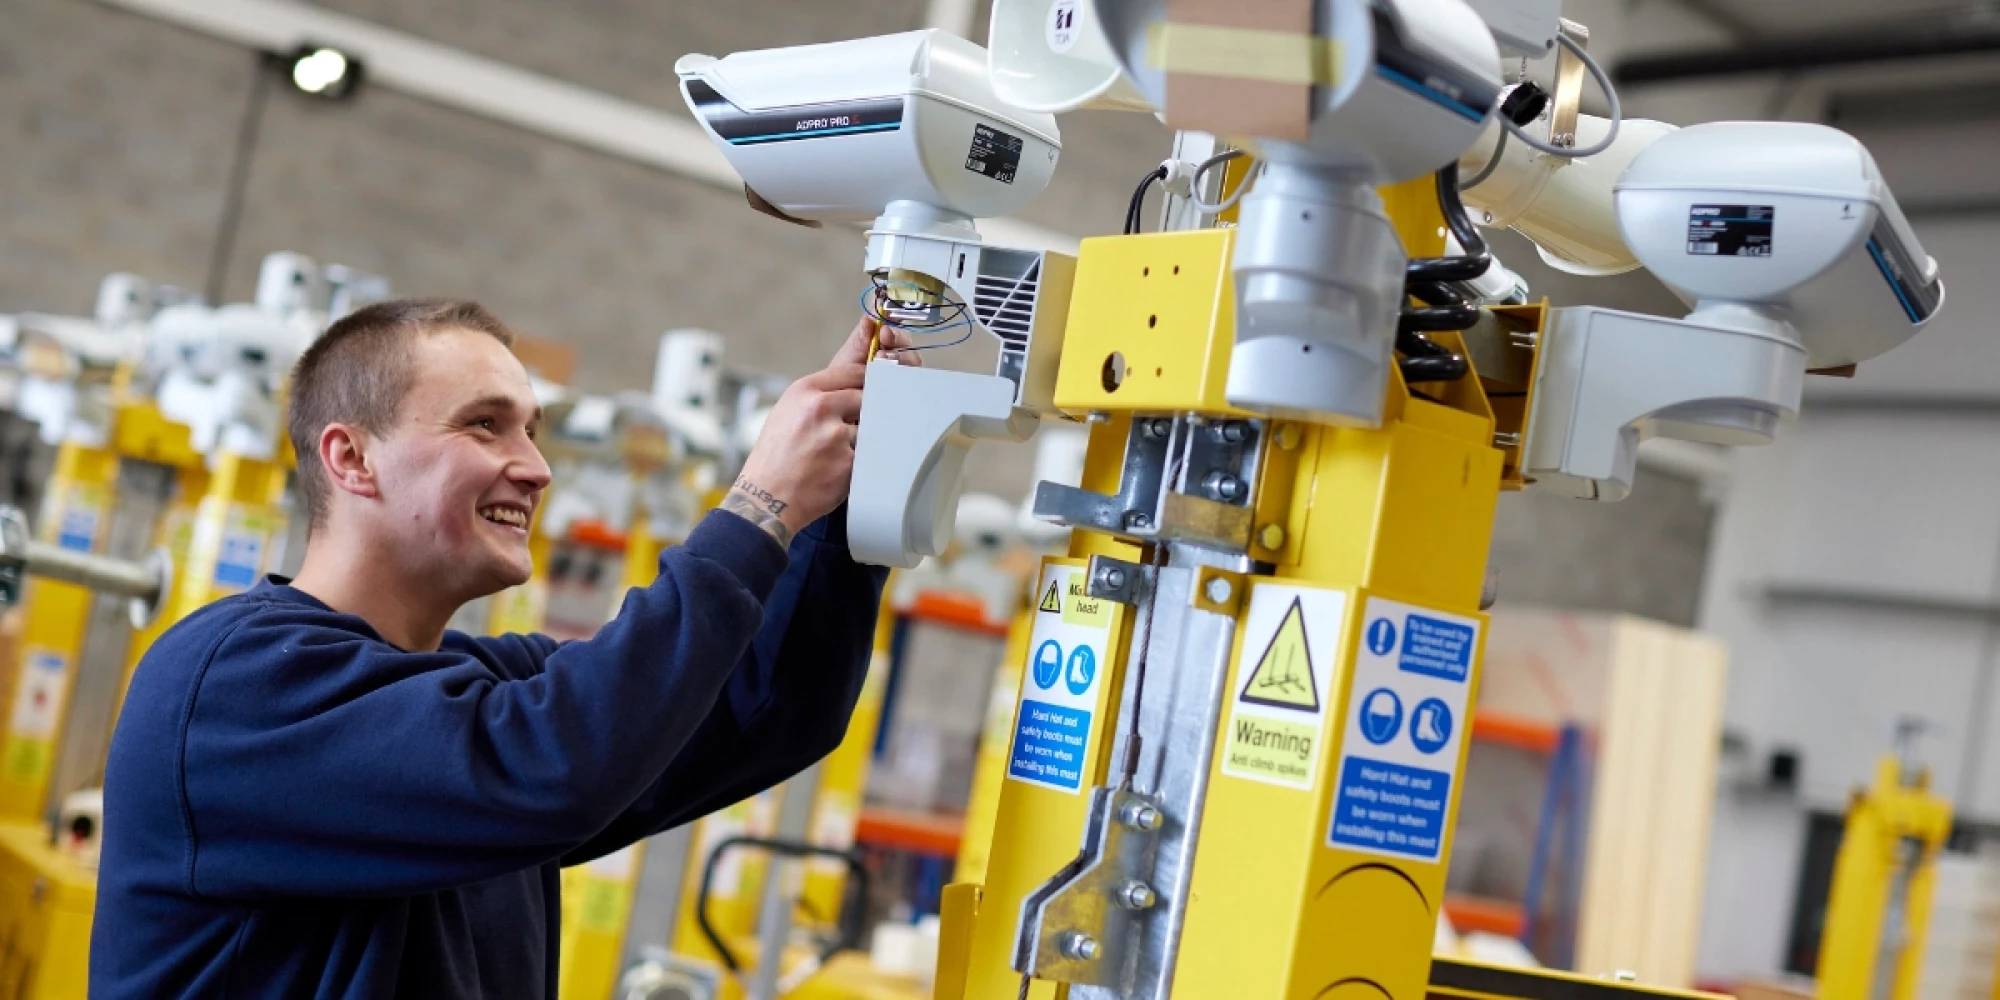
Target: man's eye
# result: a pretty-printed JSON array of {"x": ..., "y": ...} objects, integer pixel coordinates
[{"x": 486, "y": 424}]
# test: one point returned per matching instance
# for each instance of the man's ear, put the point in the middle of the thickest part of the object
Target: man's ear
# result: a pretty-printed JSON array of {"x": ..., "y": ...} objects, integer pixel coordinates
[{"x": 343, "y": 453}]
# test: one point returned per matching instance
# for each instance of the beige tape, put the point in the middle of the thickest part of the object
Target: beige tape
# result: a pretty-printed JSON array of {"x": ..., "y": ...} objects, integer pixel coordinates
[{"x": 1243, "y": 53}]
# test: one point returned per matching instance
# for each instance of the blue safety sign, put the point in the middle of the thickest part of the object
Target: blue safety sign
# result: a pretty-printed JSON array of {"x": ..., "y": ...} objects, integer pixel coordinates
[
  {"x": 1438, "y": 648},
  {"x": 1390, "y": 809},
  {"x": 1048, "y": 664},
  {"x": 1060, "y": 694},
  {"x": 1430, "y": 725},
  {"x": 1082, "y": 667},
  {"x": 1381, "y": 636},
  {"x": 1417, "y": 666},
  {"x": 1381, "y": 716}
]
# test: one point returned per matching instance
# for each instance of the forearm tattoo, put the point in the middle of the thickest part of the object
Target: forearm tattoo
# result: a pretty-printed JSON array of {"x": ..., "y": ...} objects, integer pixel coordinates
[
  {"x": 761, "y": 495},
  {"x": 757, "y": 506}
]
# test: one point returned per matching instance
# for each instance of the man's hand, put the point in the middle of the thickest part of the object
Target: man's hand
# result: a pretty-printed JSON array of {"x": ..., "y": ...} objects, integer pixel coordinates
[{"x": 799, "y": 470}]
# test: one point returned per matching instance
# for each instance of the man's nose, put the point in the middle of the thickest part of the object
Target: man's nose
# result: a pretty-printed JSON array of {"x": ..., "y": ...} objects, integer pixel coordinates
[{"x": 529, "y": 469}]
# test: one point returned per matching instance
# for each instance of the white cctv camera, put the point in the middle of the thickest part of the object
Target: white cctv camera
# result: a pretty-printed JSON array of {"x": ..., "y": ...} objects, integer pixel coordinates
[
  {"x": 1796, "y": 257},
  {"x": 903, "y": 127},
  {"x": 1783, "y": 227},
  {"x": 905, "y": 133}
]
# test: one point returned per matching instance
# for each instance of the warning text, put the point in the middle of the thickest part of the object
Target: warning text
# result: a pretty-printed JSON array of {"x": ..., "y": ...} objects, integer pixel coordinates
[
  {"x": 1437, "y": 648},
  {"x": 1391, "y": 808},
  {"x": 1049, "y": 744}
]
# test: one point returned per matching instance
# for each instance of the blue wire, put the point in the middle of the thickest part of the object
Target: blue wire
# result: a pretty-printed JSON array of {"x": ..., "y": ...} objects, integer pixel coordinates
[{"x": 964, "y": 320}]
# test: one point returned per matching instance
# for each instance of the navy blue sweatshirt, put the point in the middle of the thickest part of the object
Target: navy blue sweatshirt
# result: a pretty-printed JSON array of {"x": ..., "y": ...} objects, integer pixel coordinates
[{"x": 296, "y": 808}]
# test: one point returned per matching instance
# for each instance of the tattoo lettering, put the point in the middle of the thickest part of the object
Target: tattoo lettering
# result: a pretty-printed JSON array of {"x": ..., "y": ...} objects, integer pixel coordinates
[
  {"x": 761, "y": 495},
  {"x": 741, "y": 504}
]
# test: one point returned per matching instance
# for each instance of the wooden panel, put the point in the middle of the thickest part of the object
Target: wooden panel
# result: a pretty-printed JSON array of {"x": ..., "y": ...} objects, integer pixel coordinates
[{"x": 1654, "y": 791}]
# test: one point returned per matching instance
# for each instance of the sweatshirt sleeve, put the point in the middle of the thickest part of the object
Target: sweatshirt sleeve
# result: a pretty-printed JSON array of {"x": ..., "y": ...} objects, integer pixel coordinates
[
  {"x": 788, "y": 703},
  {"x": 315, "y": 762}
]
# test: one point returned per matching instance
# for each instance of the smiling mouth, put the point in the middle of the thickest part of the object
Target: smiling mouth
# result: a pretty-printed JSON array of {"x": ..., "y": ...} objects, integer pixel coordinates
[{"x": 512, "y": 517}]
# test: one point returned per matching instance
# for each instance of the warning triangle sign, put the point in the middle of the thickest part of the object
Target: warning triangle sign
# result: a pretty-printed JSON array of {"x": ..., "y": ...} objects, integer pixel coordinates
[
  {"x": 1283, "y": 677},
  {"x": 1052, "y": 601}
]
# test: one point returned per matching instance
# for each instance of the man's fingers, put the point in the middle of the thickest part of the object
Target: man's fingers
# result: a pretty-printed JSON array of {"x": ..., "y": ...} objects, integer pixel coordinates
[
  {"x": 894, "y": 346},
  {"x": 855, "y": 350},
  {"x": 842, "y": 403},
  {"x": 839, "y": 376},
  {"x": 894, "y": 337}
]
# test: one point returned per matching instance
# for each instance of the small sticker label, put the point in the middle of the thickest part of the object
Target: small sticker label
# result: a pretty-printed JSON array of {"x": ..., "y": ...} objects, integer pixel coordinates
[
  {"x": 242, "y": 556},
  {"x": 1731, "y": 230},
  {"x": 1079, "y": 608},
  {"x": 79, "y": 529},
  {"x": 1404, "y": 729},
  {"x": 1277, "y": 720},
  {"x": 1066, "y": 660},
  {"x": 38, "y": 697},
  {"x": 1062, "y": 26},
  {"x": 994, "y": 153}
]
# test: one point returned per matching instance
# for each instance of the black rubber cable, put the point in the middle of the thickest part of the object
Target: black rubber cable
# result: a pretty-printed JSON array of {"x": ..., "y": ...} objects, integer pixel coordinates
[{"x": 1138, "y": 205}]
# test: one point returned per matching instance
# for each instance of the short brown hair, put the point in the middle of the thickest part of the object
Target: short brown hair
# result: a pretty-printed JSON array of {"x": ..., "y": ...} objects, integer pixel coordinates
[{"x": 360, "y": 369}]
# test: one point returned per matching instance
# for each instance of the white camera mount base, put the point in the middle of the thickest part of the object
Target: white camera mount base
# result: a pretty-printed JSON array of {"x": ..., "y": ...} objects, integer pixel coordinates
[
  {"x": 917, "y": 426},
  {"x": 1612, "y": 379}
]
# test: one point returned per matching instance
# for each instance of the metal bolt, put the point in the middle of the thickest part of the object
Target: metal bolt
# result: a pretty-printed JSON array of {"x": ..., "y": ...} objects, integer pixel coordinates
[
  {"x": 1228, "y": 432},
  {"x": 1160, "y": 427},
  {"x": 1079, "y": 946},
  {"x": 1288, "y": 436},
  {"x": 1138, "y": 519},
  {"x": 1112, "y": 577},
  {"x": 1140, "y": 816},
  {"x": 1137, "y": 896},
  {"x": 1223, "y": 486},
  {"x": 1506, "y": 439},
  {"x": 1271, "y": 536},
  {"x": 1218, "y": 590}
]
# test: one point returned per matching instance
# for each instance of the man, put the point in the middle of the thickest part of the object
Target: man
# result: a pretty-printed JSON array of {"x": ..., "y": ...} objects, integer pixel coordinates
[{"x": 315, "y": 790}]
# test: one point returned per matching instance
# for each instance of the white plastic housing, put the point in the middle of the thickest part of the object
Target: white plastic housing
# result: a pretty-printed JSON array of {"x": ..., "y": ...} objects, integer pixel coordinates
[
  {"x": 917, "y": 427},
  {"x": 687, "y": 387},
  {"x": 1052, "y": 55},
  {"x": 838, "y": 132},
  {"x": 124, "y": 301},
  {"x": 1415, "y": 83},
  {"x": 1780, "y": 224},
  {"x": 1609, "y": 380},
  {"x": 1319, "y": 285},
  {"x": 222, "y": 369},
  {"x": 288, "y": 283},
  {"x": 1567, "y": 207},
  {"x": 1525, "y": 28}
]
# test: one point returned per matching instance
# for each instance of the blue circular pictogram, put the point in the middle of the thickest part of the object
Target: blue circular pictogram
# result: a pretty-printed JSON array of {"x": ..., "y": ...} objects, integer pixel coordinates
[
  {"x": 1381, "y": 636},
  {"x": 1048, "y": 664},
  {"x": 1082, "y": 668},
  {"x": 1381, "y": 716},
  {"x": 1430, "y": 725}
]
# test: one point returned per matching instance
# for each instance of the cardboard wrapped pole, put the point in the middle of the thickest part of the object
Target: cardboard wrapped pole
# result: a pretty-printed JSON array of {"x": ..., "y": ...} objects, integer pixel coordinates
[{"x": 1241, "y": 67}]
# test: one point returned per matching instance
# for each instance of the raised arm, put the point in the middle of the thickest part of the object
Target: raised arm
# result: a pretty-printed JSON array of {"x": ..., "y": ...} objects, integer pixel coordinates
[{"x": 788, "y": 703}]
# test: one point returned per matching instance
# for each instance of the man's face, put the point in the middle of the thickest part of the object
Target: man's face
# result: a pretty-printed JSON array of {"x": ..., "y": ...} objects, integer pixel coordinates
[{"x": 459, "y": 474}]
